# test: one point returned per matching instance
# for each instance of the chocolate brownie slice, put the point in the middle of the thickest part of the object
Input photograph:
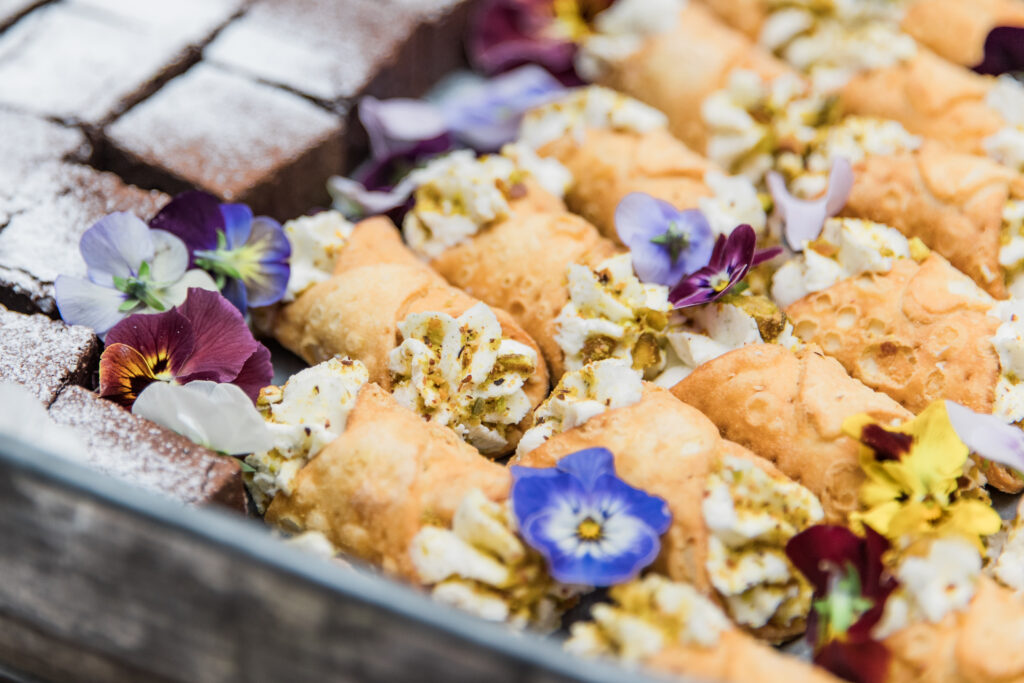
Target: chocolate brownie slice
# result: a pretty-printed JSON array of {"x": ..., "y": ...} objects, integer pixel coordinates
[
  {"x": 45, "y": 355},
  {"x": 240, "y": 140},
  {"x": 145, "y": 454}
]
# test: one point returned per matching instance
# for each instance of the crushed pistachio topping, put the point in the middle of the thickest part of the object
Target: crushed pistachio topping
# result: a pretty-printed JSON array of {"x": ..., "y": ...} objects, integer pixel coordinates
[
  {"x": 650, "y": 615},
  {"x": 847, "y": 247},
  {"x": 834, "y": 41},
  {"x": 316, "y": 242},
  {"x": 584, "y": 108},
  {"x": 303, "y": 416},
  {"x": 461, "y": 372},
  {"x": 620, "y": 31},
  {"x": 1007, "y": 145},
  {"x": 611, "y": 314},
  {"x": 751, "y": 516},
  {"x": 932, "y": 585},
  {"x": 550, "y": 174},
  {"x": 580, "y": 395},
  {"x": 480, "y": 565}
]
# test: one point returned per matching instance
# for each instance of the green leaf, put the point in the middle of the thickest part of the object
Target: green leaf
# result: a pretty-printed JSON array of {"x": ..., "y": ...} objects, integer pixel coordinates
[
  {"x": 144, "y": 271},
  {"x": 128, "y": 305}
]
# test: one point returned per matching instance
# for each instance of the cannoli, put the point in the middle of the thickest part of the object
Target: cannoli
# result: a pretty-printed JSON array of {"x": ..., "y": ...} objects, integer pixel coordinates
[
  {"x": 402, "y": 494},
  {"x": 906, "y": 323},
  {"x": 788, "y": 407},
  {"x": 732, "y": 512},
  {"x": 956, "y": 30},
  {"x": 671, "y": 628},
  {"x": 442, "y": 353}
]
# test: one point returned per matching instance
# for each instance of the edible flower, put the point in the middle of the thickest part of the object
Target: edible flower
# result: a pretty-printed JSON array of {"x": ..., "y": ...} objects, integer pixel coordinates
[
  {"x": 205, "y": 338},
  {"x": 220, "y": 417},
  {"x": 130, "y": 269},
  {"x": 731, "y": 260},
  {"x": 590, "y": 526},
  {"x": 851, "y": 586},
  {"x": 803, "y": 220},
  {"x": 665, "y": 243},
  {"x": 247, "y": 256},
  {"x": 988, "y": 436},
  {"x": 912, "y": 472},
  {"x": 1004, "y": 52}
]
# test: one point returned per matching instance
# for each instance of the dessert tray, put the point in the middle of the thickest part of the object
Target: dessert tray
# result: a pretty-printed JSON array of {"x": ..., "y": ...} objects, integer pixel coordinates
[{"x": 512, "y": 340}]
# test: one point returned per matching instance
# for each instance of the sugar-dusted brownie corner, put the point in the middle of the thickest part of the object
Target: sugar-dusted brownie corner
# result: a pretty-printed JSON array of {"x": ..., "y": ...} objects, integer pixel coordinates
[
  {"x": 42, "y": 218},
  {"x": 333, "y": 51},
  {"x": 240, "y": 140},
  {"x": 146, "y": 455},
  {"x": 45, "y": 355},
  {"x": 27, "y": 140},
  {"x": 83, "y": 61}
]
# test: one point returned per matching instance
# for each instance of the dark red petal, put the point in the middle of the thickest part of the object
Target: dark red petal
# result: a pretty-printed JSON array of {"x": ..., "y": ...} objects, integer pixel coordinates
[
  {"x": 886, "y": 445},
  {"x": 822, "y": 549},
  {"x": 223, "y": 341},
  {"x": 1004, "y": 51},
  {"x": 876, "y": 582},
  {"x": 864, "y": 662},
  {"x": 505, "y": 34},
  {"x": 165, "y": 337},
  {"x": 124, "y": 373},
  {"x": 193, "y": 216},
  {"x": 739, "y": 248},
  {"x": 256, "y": 373}
]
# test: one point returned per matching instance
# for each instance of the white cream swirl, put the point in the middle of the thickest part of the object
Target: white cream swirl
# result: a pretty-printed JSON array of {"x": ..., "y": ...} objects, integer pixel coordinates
[
  {"x": 621, "y": 30},
  {"x": 316, "y": 242},
  {"x": 1007, "y": 145}
]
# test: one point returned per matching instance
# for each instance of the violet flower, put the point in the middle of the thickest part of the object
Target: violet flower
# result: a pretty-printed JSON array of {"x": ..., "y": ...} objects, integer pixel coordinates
[
  {"x": 1004, "y": 51},
  {"x": 731, "y": 260},
  {"x": 666, "y": 243},
  {"x": 130, "y": 269},
  {"x": 590, "y": 526},
  {"x": 205, "y": 338},
  {"x": 988, "y": 436},
  {"x": 247, "y": 256},
  {"x": 803, "y": 220}
]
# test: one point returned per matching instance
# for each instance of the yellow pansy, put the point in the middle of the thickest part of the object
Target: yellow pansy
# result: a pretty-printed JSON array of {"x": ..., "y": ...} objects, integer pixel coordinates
[{"x": 912, "y": 472}]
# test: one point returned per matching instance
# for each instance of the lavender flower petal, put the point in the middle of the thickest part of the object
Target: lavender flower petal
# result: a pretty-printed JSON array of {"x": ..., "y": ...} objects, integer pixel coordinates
[
  {"x": 641, "y": 219},
  {"x": 396, "y": 125},
  {"x": 804, "y": 220},
  {"x": 988, "y": 436},
  {"x": 348, "y": 192},
  {"x": 170, "y": 257},
  {"x": 115, "y": 246},
  {"x": 82, "y": 302}
]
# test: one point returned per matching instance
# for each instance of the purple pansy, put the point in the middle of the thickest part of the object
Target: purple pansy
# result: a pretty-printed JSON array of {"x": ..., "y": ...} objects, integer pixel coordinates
[
  {"x": 988, "y": 436},
  {"x": 130, "y": 269},
  {"x": 731, "y": 260},
  {"x": 803, "y": 219},
  {"x": 1004, "y": 51},
  {"x": 248, "y": 256},
  {"x": 666, "y": 243},
  {"x": 590, "y": 526}
]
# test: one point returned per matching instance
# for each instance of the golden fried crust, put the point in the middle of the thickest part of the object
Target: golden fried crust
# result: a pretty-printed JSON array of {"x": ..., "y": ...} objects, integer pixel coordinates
[
  {"x": 737, "y": 658},
  {"x": 930, "y": 97},
  {"x": 956, "y": 29},
  {"x": 747, "y": 16},
  {"x": 952, "y": 201},
  {"x": 789, "y": 409},
  {"x": 982, "y": 644},
  {"x": 373, "y": 488},
  {"x": 675, "y": 71},
  {"x": 607, "y": 165},
  {"x": 520, "y": 265},
  {"x": 666, "y": 448},
  {"x": 376, "y": 241}
]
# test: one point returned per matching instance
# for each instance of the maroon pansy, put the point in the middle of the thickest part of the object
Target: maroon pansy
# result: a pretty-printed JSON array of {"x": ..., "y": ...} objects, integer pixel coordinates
[
  {"x": 1004, "y": 51},
  {"x": 731, "y": 260}
]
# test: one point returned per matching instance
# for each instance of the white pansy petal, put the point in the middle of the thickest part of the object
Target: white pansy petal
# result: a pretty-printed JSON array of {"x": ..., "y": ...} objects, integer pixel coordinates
[
  {"x": 82, "y": 302},
  {"x": 170, "y": 257},
  {"x": 174, "y": 295},
  {"x": 218, "y": 416},
  {"x": 116, "y": 245}
]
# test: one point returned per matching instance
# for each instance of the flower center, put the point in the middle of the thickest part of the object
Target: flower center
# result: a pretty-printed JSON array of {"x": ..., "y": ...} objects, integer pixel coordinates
[
  {"x": 843, "y": 606},
  {"x": 674, "y": 240},
  {"x": 572, "y": 18},
  {"x": 139, "y": 291},
  {"x": 589, "y": 530},
  {"x": 719, "y": 282},
  {"x": 241, "y": 263}
]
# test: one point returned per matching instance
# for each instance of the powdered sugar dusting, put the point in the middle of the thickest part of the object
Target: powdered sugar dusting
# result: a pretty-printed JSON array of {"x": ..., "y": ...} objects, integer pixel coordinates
[
  {"x": 190, "y": 21},
  {"x": 220, "y": 131},
  {"x": 28, "y": 140}
]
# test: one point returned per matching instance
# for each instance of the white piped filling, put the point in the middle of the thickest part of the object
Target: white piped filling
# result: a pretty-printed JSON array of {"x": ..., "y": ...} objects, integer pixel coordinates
[
  {"x": 316, "y": 242},
  {"x": 580, "y": 395},
  {"x": 589, "y": 107},
  {"x": 1009, "y": 344},
  {"x": 303, "y": 416},
  {"x": 1009, "y": 568},
  {"x": 462, "y": 373},
  {"x": 734, "y": 203},
  {"x": 621, "y": 30},
  {"x": 751, "y": 517},
  {"x": 1011, "y": 252},
  {"x": 1007, "y": 145}
]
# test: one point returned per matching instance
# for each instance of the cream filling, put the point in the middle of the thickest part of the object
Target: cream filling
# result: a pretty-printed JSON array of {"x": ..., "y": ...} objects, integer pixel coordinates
[
  {"x": 621, "y": 30},
  {"x": 461, "y": 372},
  {"x": 316, "y": 242},
  {"x": 751, "y": 517},
  {"x": 550, "y": 174},
  {"x": 835, "y": 42},
  {"x": 1008, "y": 342},
  {"x": 1011, "y": 251},
  {"x": 307, "y": 413},
  {"x": 1007, "y": 146},
  {"x": 584, "y": 108},
  {"x": 847, "y": 247},
  {"x": 651, "y": 614},
  {"x": 480, "y": 565},
  {"x": 611, "y": 314},
  {"x": 931, "y": 586},
  {"x": 735, "y": 202},
  {"x": 580, "y": 395},
  {"x": 1009, "y": 568}
]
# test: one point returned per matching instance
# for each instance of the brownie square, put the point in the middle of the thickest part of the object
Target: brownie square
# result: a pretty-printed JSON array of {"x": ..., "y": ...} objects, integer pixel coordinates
[
  {"x": 45, "y": 355},
  {"x": 240, "y": 140},
  {"x": 79, "y": 65},
  {"x": 146, "y": 455},
  {"x": 42, "y": 219},
  {"x": 28, "y": 140},
  {"x": 189, "y": 21}
]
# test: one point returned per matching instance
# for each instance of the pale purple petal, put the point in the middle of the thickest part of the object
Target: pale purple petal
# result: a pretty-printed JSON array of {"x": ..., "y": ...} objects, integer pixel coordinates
[
  {"x": 803, "y": 220},
  {"x": 840, "y": 183},
  {"x": 170, "y": 258},
  {"x": 988, "y": 436},
  {"x": 116, "y": 245},
  {"x": 640, "y": 218},
  {"x": 369, "y": 202},
  {"x": 397, "y": 124},
  {"x": 237, "y": 224},
  {"x": 82, "y": 302}
]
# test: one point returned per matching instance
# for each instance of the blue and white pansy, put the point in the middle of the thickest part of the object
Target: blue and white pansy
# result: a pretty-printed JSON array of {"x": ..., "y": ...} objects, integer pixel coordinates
[
  {"x": 590, "y": 526},
  {"x": 666, "y": 243}
]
